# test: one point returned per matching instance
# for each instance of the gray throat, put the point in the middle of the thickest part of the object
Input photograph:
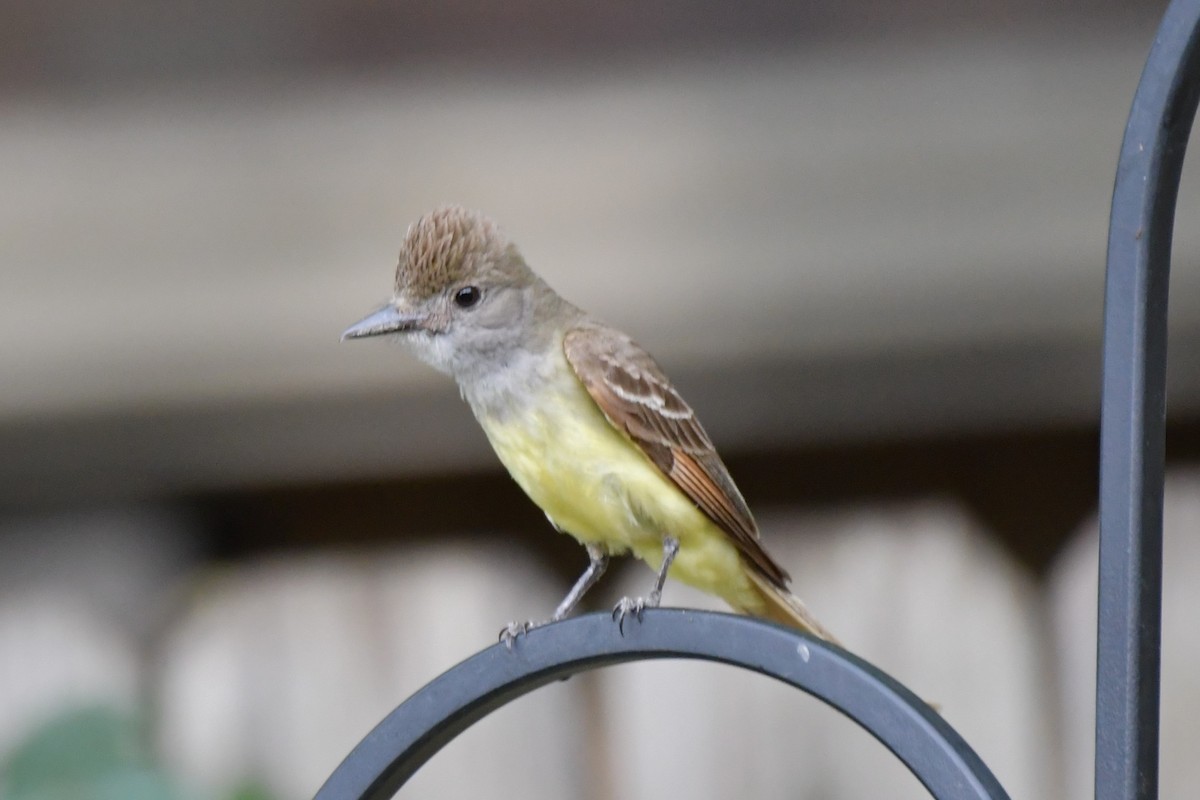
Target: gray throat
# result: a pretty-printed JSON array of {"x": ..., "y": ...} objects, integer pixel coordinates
[{"x": 515, "y": 377}]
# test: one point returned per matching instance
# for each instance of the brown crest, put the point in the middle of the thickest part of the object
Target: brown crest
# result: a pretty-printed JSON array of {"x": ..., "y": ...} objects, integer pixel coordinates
[{"x": 444, "y": 247}]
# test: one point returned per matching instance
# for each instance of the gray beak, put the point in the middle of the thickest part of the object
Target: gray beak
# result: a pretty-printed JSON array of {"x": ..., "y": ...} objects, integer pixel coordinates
[{"x": 388, "y": 319}]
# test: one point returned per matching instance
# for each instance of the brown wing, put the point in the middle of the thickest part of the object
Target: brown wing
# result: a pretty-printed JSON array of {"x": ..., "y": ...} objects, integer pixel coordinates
[{"x": 637, "y": 398}]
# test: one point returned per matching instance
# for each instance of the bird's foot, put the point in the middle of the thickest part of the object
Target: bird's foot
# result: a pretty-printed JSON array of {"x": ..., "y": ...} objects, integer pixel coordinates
[
  {"x": 627, "y": 607},
  {"x": 510, "y": 632}
]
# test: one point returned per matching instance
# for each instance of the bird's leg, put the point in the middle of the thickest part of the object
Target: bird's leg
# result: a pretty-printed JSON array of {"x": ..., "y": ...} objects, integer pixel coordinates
[
  {"x": 626, "y": 606},
  {"x": 670, "y": 550},
  {"x": 598, "y": 562}
]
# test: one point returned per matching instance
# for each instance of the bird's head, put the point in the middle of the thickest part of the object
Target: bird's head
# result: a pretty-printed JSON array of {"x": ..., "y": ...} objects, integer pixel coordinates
[{"x": 464, "y": 298}]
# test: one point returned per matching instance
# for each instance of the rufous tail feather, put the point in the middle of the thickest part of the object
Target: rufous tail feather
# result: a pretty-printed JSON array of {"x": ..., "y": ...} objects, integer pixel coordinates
[{"x": 782, "y": 606}]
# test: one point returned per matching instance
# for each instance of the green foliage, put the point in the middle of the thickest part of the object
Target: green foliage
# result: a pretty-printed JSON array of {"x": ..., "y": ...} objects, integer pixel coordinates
[{"x": 93, "y": 754}]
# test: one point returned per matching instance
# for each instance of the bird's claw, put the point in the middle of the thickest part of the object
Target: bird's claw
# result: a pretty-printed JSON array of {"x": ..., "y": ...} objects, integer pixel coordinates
[
  {"x": 625, "y": 607},
  {"x": 510, "y": 632}
]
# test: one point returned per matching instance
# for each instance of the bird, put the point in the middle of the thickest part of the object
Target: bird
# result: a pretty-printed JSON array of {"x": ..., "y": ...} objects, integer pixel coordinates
[{"x": 584, "y": 420}]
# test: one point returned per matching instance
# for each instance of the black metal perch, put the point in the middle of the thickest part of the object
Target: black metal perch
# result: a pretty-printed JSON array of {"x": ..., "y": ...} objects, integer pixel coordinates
[
  {"x": 1130, "y": 593},
  {"x": 1133, "y": 417},
  {"x": 429, "y": 719}
]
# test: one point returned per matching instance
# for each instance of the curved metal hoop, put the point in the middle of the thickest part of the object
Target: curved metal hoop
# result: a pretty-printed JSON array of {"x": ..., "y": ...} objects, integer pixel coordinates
[
  {"x": 444, "y": 708},
  {"x": 1132, "y": 426}
]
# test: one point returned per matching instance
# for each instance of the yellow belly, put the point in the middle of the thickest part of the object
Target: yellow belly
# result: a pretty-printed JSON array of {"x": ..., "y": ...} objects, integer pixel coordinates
[{"x": 594, "y": 483}]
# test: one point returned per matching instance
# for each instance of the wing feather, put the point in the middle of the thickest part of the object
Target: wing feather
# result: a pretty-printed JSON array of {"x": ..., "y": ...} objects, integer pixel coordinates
[{"x": 638, "y": 399}]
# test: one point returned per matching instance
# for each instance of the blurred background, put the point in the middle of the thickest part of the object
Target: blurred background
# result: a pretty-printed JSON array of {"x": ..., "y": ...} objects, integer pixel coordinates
[{"x": 865, "y": 238}]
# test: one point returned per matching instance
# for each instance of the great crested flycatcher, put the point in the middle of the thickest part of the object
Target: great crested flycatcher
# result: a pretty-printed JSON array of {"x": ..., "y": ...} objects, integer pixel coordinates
[{"x": 583, "y": 419}]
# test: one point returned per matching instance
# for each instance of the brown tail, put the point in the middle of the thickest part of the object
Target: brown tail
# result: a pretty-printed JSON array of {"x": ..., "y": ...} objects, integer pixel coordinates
[{"x": 780, "y": 605}]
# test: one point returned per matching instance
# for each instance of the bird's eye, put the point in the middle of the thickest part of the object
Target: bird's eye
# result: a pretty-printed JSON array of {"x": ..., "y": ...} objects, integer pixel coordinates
[{"x": 467, "y": 296}]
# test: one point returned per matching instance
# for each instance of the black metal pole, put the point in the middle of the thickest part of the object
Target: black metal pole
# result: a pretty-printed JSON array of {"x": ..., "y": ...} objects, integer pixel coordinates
[
  {"x": 431, "y": 718},
  {"x": 1133, "y": 413}
]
